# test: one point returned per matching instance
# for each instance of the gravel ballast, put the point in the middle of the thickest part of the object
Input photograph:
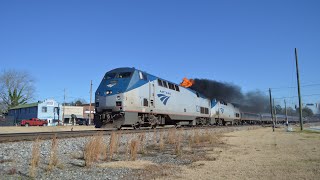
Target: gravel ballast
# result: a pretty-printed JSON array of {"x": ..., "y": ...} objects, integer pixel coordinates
[{"x": 15, "y": 157}]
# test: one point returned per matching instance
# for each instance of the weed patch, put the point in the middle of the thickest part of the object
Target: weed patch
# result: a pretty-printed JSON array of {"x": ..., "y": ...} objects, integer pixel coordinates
[{"x": 35, "y": 157}]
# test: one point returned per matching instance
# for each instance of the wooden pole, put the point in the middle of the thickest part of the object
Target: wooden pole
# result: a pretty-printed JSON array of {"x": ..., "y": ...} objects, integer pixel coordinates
[
  {"x": 90, "y": 102},
  {"x": 299, "y": 95},
  {"x": 271, "y": 109}
]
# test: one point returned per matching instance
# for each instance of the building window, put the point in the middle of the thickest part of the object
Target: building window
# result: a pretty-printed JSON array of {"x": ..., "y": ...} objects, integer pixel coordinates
[{"x": 44, "y": 109}]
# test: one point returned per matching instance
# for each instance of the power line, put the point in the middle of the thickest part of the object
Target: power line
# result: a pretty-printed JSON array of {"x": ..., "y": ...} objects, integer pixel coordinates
[
  {"x": 307, "y": 85},
  {"x": 297, "y": 96}
]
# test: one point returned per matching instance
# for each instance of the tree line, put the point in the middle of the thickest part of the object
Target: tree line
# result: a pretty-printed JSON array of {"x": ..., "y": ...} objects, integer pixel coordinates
[{"x": 306, "y": 112}]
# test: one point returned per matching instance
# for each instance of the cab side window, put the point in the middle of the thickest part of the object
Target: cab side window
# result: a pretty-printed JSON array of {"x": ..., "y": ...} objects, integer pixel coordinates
[{"x": 142, "y": 75}]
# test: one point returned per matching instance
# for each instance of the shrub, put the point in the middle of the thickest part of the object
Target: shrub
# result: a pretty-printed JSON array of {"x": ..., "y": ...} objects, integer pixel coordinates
[
  {"x": 54, "y": 153},
  {"x": 134, "y": 149},
  {"x": 35, "y": 157},
  {"x": 94, "y": 149}
]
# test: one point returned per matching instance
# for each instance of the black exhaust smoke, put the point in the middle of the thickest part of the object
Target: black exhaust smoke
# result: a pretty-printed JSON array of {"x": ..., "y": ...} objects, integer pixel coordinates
[{"x": 254, "y": 101}]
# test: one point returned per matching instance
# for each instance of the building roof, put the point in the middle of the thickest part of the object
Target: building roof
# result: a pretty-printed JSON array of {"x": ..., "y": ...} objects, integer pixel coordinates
[
  {"x": 25, "y": 106},
  {"x": 87, "y": 104}
]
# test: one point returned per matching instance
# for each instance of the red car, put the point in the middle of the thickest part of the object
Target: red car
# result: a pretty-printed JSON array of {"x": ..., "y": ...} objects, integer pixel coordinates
[{"x": 34, "y": 122}]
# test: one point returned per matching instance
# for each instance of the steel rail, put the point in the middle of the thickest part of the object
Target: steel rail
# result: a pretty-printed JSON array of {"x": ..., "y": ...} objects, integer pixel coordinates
[{"x": 30, "y": 136}]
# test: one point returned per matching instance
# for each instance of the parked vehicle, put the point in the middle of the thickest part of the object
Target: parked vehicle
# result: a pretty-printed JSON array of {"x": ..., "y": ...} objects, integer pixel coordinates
[
  {"x": 82, "y": 121},
  {"x": 34, "y": 122}
]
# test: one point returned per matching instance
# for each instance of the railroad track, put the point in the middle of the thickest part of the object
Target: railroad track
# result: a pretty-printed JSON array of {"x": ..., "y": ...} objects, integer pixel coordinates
[{"x": 15, "y": 137}]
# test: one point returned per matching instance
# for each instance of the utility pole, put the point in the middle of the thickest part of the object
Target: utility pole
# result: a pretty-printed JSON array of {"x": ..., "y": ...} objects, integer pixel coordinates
[
  {"x": 285, "y": 107},
  {"x": 271, "y": 109},
  {"x": 274, "y": 113},
  {"x": 90, "y": 102},
  {"x": 299, "y": 95},
  {"x": 64, "y": 104}
]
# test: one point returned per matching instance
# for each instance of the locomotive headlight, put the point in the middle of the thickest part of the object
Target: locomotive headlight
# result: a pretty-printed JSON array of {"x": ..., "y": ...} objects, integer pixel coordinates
[
  {"x": 118, "y": 97},
  {"x": 108, "y": 92}
]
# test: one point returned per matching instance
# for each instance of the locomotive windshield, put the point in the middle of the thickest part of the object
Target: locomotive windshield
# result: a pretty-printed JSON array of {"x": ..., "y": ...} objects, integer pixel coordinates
[
  {"x": 124, "y": 74},
  {"x": 118, "y": 75},
  {"x": 110, "y": 76}
]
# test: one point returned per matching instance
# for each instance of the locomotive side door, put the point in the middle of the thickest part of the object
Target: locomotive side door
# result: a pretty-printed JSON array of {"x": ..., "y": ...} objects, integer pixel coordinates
[{"x": 151, "y": 95}]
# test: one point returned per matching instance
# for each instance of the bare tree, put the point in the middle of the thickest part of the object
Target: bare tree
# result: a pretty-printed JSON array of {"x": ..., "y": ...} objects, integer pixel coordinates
[
  {"x": 78, "y": 102},
  {"x": 291, "y": 111},
  {"x": 2, "y": 108},
  {"x": 307, "y": 112},
  {"x": 16, "y": 88}
]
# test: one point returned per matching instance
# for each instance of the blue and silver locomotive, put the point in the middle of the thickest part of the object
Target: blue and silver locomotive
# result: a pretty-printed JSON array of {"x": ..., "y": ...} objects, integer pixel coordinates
[{"x": 130, "y": 97}]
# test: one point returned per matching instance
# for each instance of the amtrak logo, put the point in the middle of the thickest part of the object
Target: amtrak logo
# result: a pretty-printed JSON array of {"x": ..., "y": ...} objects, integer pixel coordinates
[
  {"x": 111, "y": 85},
  {"x": 163, "y": 98}
]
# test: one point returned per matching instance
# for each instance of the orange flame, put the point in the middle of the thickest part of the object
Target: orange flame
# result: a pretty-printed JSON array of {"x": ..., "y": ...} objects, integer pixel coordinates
[{"x": 187, "y": 82}]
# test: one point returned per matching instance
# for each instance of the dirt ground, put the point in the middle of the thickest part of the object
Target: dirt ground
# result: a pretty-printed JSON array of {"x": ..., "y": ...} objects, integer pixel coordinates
[
  {"x": 22, "y": 129},
  {"x": 257, "y": 153},
  {"x": 260, "y": 154}
]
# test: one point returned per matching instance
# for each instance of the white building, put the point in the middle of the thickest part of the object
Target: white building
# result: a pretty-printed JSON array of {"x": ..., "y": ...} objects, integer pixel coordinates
[
  {"x": 69, "y": 111},
  {"x": 314, "y": 107}
]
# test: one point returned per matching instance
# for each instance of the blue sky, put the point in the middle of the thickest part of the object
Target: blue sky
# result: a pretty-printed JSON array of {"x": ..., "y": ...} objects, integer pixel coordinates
[{"x": 65, "y": 44}]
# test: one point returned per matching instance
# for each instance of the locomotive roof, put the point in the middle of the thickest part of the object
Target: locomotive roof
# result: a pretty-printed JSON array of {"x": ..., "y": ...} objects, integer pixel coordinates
[{"x": 131, "y": 69}]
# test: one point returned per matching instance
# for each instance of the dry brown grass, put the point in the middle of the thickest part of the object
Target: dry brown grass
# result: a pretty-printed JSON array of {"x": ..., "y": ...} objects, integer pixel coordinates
[
  {"x": 53, "y": 154},
  {"x": 134, "y": 149},
  {"x": 196, "y": 136},
  {"x": 161, "y": 142},
  {"x": 190, "y": 140},
  {"x": 177, "y": 146},
  {"x": 216, "y": 138},
  {"x": 154, "y": 171},
  {"x": 142, "y": 137},
  {"x": 94, "y": 149},
  {"x": 138, "y": 164},
  {"x": 205, "y": 137},
  {"x": 104, "y": 152},
  {"x": 172, "y": 136},
  {"x": 35, "y": 157},
  {"x": 118, "y": 143},
  {"x": 154, "y": 136},
  {"x": 128, "y": 150},
  {"x": 112, "y": 144}
]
